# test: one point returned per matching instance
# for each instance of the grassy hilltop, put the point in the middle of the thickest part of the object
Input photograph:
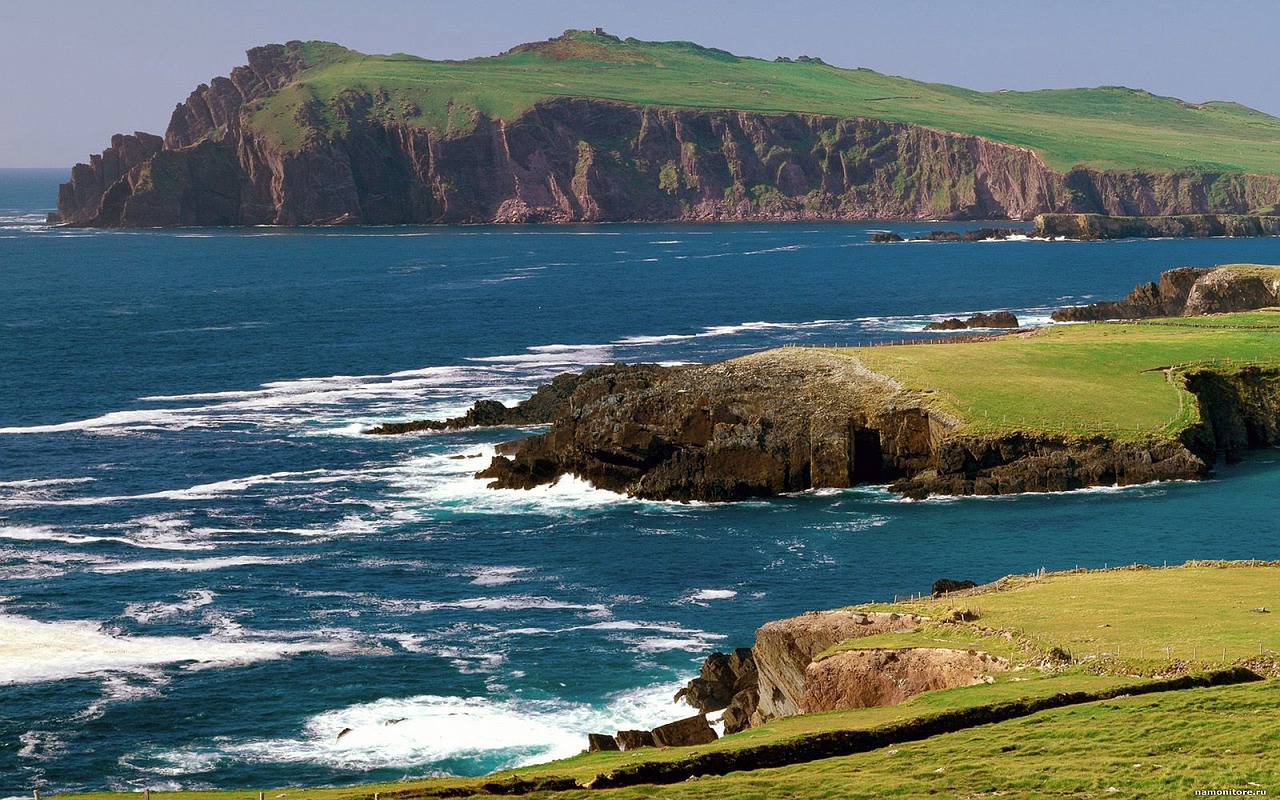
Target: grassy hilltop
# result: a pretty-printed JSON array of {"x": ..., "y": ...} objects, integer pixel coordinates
[
  {"x": 1118, "y": 379},
  {"x": 1113, "y": 128},
  {"x": 1111, "y": 712}
]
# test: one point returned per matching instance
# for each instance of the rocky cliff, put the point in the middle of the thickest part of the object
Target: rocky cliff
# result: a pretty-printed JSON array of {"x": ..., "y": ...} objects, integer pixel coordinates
[
  {"x": 1188, "y": 292},
  {"x": 1173, "y": 225},
  {"x": 793, "y": 419},
  {"x": 568, "y": 160}
]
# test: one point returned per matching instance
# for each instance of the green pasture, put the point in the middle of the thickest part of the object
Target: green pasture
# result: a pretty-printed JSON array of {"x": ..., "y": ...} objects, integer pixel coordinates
[
  {"x": 1106, "y": 128},
  {"x": 1123, "y": 380}
]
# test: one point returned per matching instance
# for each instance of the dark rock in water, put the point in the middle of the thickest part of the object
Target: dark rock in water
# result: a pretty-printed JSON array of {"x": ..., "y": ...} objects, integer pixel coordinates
[
  {"x": 684, "y": 733},
  {"x": 543, "y": 407},
  {"x": 947, "y": 586},
  {"x": 722, "y": 677},
  {"x": 998, "y": 319},
  {"x": 972, "y": 235},
  {"x": 886, "y": 236},
  {"x": 631, "y": 740},
  {"x": 53, "y": 218},
  {"x": 794, "y": 419},
  {"x": 597, "y": 742}
]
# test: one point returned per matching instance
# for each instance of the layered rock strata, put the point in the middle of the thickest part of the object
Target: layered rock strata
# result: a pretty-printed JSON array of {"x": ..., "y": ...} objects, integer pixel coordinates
[
  {"x": 1188, "y": 292},
  {"x": 1170, "y": 225},
  {"x": 793, "y": 419},
  {"x": 583, "y": 160}
]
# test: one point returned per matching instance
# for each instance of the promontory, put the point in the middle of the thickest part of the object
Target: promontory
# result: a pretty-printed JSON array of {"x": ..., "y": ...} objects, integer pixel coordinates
[
  {"x": 1064, "y": 407},
  {"x": 588, "y": 127}
]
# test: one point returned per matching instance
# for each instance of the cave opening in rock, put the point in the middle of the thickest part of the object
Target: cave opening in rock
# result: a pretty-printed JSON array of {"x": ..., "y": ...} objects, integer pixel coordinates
[{"x": 867, "y": 459}]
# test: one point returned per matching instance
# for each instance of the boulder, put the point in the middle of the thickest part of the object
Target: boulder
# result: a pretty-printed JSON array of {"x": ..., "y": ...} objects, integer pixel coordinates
[
  {"x": 996, "y": 319},
  {"x": 597, "y": 742},
  {"x": 685, "y": 732},
  {"x": 944, "y": 586},
  {"x": 633, "y": 739},
  {"x": 722, "y": 676}
]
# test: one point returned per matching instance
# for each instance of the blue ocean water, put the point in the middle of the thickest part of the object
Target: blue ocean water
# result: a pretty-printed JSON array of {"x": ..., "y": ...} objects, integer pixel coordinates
[{"x": 207, "y": 573}]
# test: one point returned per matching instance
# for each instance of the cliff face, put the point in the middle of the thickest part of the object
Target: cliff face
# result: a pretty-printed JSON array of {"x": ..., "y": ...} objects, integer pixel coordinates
[
  {"x": 569, "y": 160},
  {"x": 868, "y": 678},
  {"x": 786, "y": 421},
  {"x": 1129, "y": 224},
  {"x": 1187, "y": 292}
]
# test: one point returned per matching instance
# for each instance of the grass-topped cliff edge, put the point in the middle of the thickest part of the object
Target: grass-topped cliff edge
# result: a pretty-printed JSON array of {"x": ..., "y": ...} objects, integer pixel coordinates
[
  {"x": 1057, "y": 408},
  {"x": 1160, "y": 692},
  {"x": 591, "y": 127},
  {"x": 1113, "y": 127}
]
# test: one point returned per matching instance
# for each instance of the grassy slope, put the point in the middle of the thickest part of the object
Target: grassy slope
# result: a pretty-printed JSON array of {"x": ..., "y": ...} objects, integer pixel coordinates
[
  {"x": 1106, "y": 128},
  {"x": 1079, "y": 379},
  {"x": 1156, "y": 746},
  {"x": 1205, "y": 604}
]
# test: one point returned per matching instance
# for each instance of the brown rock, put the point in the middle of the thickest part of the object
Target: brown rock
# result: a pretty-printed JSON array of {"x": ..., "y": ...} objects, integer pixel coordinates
[
  {"x": 866, "y": 678},
  {"x": 630, "y": 740},
  {"x": 684, "y": 733},
  {"x": 583, "y": 160},
  {"x": 597, "y": 742}
]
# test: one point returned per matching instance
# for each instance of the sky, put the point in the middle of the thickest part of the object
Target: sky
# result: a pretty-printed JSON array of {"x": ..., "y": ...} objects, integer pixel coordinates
[{"x": 75, "y": 72}]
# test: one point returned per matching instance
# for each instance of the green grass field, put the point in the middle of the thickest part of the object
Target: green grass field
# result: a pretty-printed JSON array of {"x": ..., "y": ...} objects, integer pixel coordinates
[
  {"x": 1143, "y": 745},
  {"x": 1117, "y": 379},
  {"x": 1106, "y": 128}
]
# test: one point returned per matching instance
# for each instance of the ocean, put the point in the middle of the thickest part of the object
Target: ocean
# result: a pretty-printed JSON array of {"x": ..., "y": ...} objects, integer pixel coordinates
[{"x": 207, "y": 572}]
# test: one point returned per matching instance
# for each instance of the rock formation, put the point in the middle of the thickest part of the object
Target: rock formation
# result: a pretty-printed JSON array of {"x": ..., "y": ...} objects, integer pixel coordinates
[
  {"x": 1167, "y": 225},
  {"x": 1186, "y": 292},
  {"x": 548, "y": 402},
  {"x": 868, "y": 678},
  {"x": 574, "y": 160},
  {"x": 794, "y": 419},
  {"x": 997, "y": 319}
]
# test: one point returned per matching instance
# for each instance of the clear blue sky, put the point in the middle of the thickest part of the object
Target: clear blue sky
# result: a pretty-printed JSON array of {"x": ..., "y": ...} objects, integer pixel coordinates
[{"x": 75, "y": 71}]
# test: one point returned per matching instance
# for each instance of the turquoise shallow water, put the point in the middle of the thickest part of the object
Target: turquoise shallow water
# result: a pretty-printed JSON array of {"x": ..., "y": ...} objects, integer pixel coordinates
[{"x": 206, "y": 573}]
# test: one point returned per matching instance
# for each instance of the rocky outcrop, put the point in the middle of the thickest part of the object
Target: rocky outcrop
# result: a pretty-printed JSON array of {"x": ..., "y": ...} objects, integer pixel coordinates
[
  {"x": 877, "y": 677},
  {"x": 548, "y": 402},
  {"x": 1167, "y": 225},
  {"x": 684, "y": 732},
  {"x": 773, "y": 422},
  {"x": 1186, "y": 292},
  {"x": 1239, "y": 409},
  {"x": 945, "y": 586},
  {"x": 794, "y": 419},
  {"x": 784, "y": 649},
  {"x": 722, "y": 677},
  {"x": 575, "y": 160},
  {"x": 997, "y": 319}
]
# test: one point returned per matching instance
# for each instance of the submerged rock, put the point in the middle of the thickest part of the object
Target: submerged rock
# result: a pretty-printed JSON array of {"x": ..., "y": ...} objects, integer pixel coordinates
[{"x": 996, "y": 319}]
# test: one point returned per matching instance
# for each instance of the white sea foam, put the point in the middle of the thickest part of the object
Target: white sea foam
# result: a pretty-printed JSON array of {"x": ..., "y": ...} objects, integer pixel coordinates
[
  {"x": 699, "y": 596},
  {"x": 33, "y": 651},
  {"x": 515, "y": 603},
  {"x": 407, "y": 733},
  {"x": 498, "y": 576},
  {"x": 188, "y": 565},
  {"x": 150, "y": 612}
]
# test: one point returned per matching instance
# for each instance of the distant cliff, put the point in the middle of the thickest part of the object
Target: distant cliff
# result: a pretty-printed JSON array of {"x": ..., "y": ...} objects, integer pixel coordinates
[
  {"x": 224, "y": 160},
  {"x": 1188, "y": 292}
]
